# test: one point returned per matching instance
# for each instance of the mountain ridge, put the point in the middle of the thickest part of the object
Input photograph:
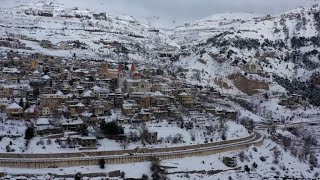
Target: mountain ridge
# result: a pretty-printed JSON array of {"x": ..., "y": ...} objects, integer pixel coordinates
[{"x": 285, "y": 44}]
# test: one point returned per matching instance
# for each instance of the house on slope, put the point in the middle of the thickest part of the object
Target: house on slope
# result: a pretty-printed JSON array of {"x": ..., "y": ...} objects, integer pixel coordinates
[
  {"x": 136, "y": 85},
  {"x": 14, "y": 111},
  {"x": 252, "y": 67}
]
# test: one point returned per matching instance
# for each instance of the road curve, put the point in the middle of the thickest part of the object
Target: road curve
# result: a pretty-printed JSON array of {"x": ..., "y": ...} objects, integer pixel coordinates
[{"x": 125, "y": 156}]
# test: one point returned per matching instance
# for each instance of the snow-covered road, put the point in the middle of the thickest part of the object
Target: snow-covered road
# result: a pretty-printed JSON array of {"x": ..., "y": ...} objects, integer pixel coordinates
[{"x": 118, "y": 157}]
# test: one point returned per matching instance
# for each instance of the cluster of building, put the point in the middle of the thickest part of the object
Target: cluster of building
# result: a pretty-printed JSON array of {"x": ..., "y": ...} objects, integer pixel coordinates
[
  {"x": 62, "y": 96},
  {"x": 293, "y": 101}
]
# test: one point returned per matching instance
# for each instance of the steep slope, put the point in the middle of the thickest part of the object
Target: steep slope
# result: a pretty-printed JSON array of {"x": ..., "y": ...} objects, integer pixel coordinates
[
  {"x": 50, "y": 28},
  {"x": 286, "y": 45},
  {"x": 210, "y": 51}
]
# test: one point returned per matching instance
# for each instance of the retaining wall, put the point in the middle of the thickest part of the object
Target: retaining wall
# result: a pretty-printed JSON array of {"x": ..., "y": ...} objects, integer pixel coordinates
[
  {"x": 121, "y": 152},
  {"x": 35, "y": 163}
]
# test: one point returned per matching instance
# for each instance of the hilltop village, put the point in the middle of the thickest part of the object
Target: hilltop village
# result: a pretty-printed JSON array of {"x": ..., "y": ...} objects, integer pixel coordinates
[
  {"x": 106, "y": 105},
  {"x": 93, "y": 95}
]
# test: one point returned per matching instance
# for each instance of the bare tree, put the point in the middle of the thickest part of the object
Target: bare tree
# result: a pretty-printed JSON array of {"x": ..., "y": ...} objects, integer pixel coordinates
[
  {"x": 49, "y": 141},
  {"x": 307, "y": 146},
  {"x": 286, "y": 141},
  {"x": 144, "y": 135},
  {"x": 276, "y": 155},
  {"x": 313, "y": 160},
  {"x": 124, "y": 143},
  {"x": 193, "y": 136},
  {"x": 177, "y": 138},
  {"x": 241, "y": 156},
  {"x": 56, "y": 116}
]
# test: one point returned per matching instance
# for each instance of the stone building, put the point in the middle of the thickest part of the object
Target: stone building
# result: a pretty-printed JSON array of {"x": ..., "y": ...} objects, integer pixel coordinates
[
  {"x": 87, "y": 142},
  {"x": 252, "y": 68},
  {"x": 14, "y": 111},
  {"x": 185, "y": 99},
  {"x": 136, "y": 85}
]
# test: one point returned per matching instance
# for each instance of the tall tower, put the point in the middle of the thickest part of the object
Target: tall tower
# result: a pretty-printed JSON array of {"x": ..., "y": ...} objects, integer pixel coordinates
[
  {"x": 132, "y": 70},
  {"x": 120, "y": 75},
  {"x": 34, "y": 64},
  {"x": 106, "y": 70}
]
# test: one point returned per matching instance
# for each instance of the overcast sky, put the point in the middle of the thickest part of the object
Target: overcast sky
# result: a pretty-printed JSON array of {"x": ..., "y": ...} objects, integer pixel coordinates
[
  {"x": 188, "y": 10},
  {"x": 194, "y": 9},
  {"x": 181, "y": 10}
]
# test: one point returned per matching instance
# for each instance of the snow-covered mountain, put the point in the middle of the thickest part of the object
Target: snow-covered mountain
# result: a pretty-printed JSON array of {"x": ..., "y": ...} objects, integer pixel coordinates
[
  {"x": 210, "y": 51},
  {"x": 52, "y": 29},
  {"x": 285, "y": 44}
]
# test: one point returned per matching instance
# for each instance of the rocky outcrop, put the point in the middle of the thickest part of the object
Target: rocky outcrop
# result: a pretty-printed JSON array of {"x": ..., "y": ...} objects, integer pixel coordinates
[{"x": 246, "y": 85}]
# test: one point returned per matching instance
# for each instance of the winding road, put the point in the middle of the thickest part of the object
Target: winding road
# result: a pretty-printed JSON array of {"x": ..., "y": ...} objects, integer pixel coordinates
[{"x": 85, "y": 158}]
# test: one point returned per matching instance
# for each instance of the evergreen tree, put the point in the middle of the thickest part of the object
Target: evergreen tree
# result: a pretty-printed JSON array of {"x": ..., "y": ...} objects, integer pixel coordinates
[
  {"x": 77, "y": 176},
  {"x": 157, "y": 171},
  {"x": 21, "y": 102},
  {"x": 36, "y": 92},
  {"x": 111, "y": 128},
  {"x": 102, "y": 163},
  {"x": 29, "y": 134},
  {"x": 145, "y": 177},
  {"x": 84, "y": 130},
  {"x": 113, "y": 84},
  {"x": 27, "y": 104}
]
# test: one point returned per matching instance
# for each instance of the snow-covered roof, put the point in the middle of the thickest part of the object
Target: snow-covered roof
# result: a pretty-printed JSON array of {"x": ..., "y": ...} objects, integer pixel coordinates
[
  {"x": 82, "y": 70},
  {"x": 59, "y": 93},
  {"x": 17, "y": 86},
  {"x": 133, "y": 80},
  {"x": 79, "y": 87},
  {"x": 42, "y": 121},
  {"x": 99, "y": 89},
  {"x": 14, "y": 105},
  {"x": 86, "y": 114},
  {"x": 72, "y": 122},
  {"x": 96, "y": 88},
  {"x": 127, "y": 105},
  {"x": 88, "y": 138},
  {"x": 88, "y": 93},
  {"x": 183, "y": 94},
  {"x": 80, "y": 105},
  {"x": 46, "y": 77},
  {"x": 36, "y": 72},
  {"x": 52, "y": 96},
  {"x": 157, "y": 93},
  {"x": 10, "y": 70},
  {"x": 30, "y": 110},
  {"x": 69, "y": 95}
]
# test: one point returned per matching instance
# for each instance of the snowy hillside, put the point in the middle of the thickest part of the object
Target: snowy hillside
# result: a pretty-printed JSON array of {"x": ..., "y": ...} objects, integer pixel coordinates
[
  {"x": 212, "y": 50},
  {"x": 52, "y": 29},
  {"x": 285, "y": 45}
]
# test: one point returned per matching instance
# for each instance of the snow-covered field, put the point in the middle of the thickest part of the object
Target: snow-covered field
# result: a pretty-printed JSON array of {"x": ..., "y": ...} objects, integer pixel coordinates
[
  {"x": 287, "y": 165},
  {"x": 132, "y": 170},
  {"x": 165, "y": 131}
]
